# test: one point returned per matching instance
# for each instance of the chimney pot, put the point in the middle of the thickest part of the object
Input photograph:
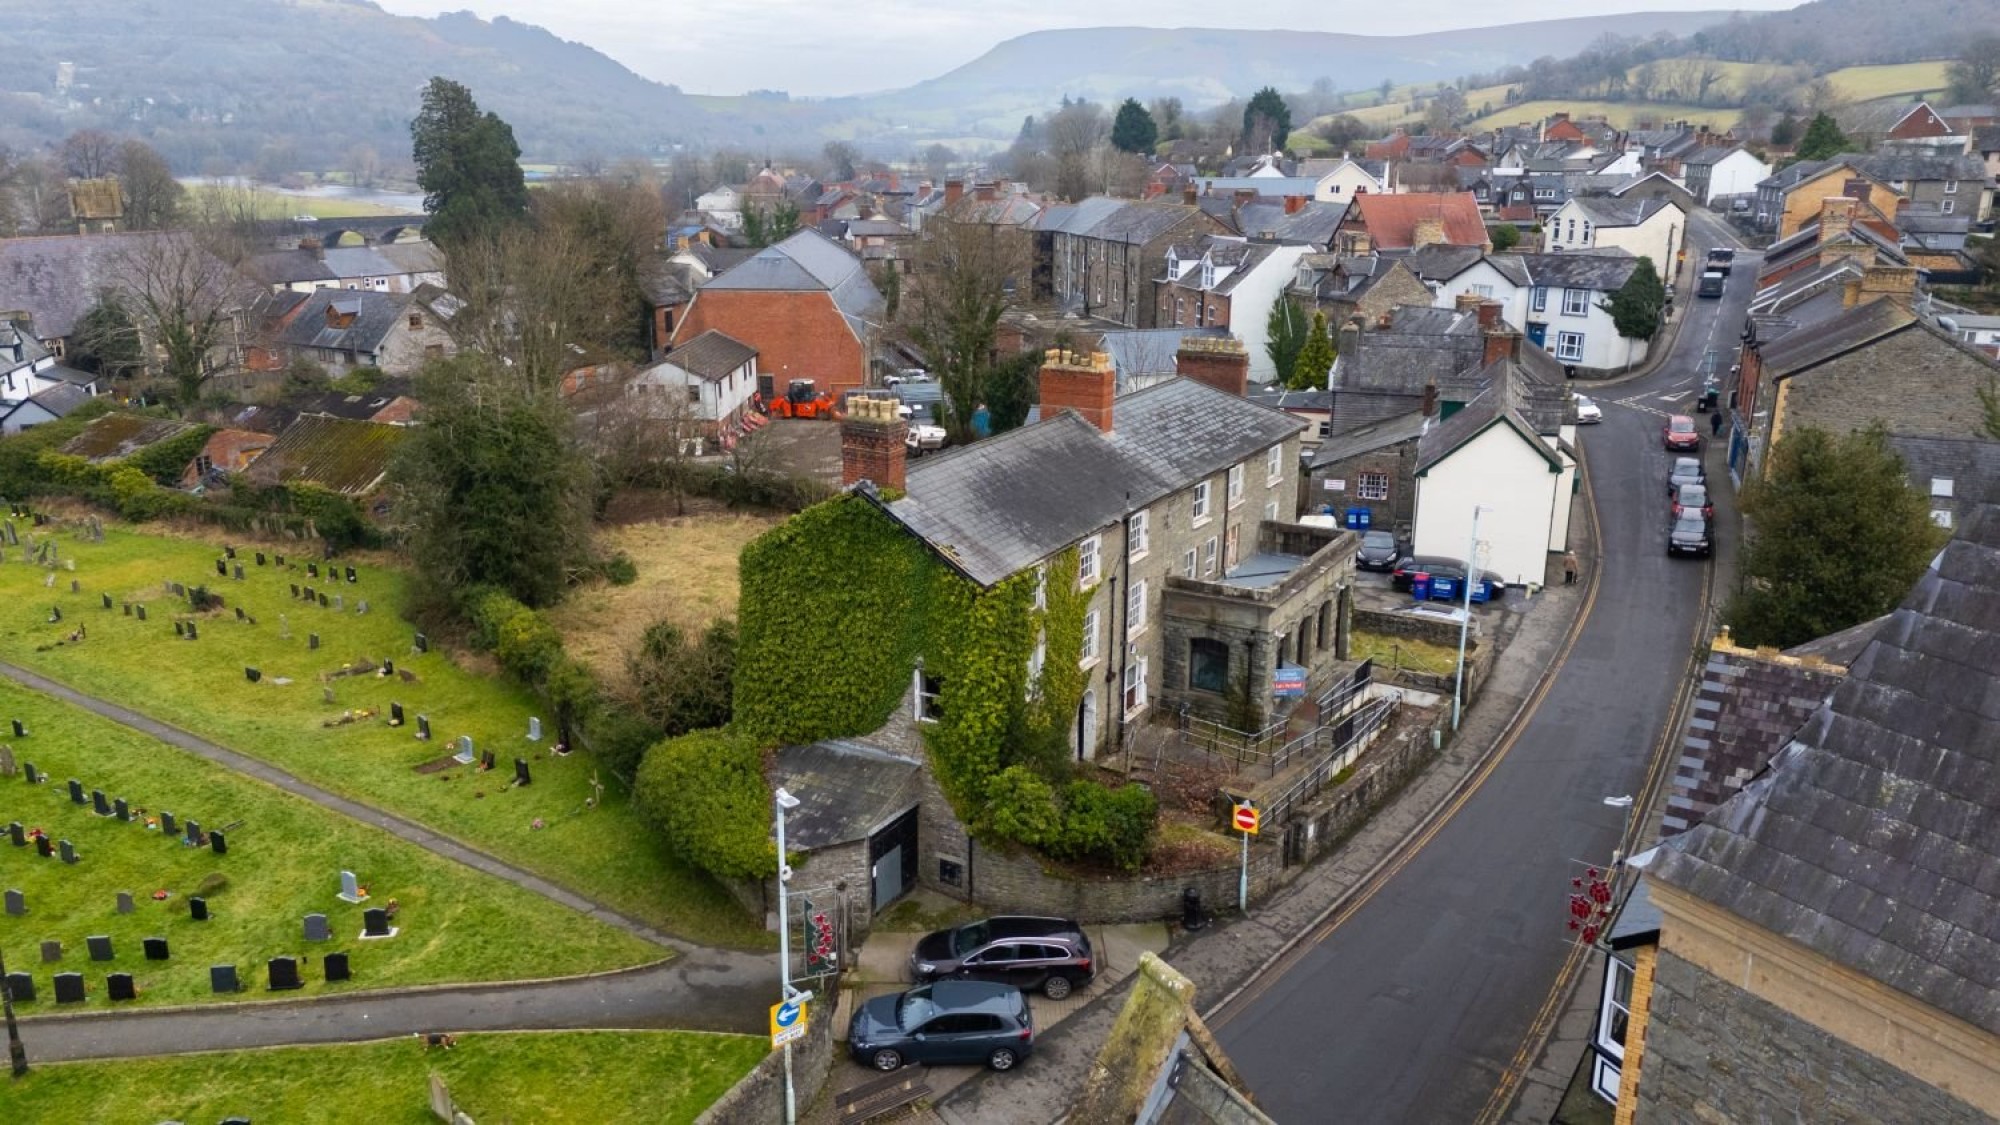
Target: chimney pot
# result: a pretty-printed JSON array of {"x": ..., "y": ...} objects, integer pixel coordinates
[{"x": 871, "y": 444}]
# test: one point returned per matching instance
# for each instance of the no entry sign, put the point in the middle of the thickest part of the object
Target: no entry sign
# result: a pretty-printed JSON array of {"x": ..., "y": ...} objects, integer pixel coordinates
[{"x": 1244, "y": 819}]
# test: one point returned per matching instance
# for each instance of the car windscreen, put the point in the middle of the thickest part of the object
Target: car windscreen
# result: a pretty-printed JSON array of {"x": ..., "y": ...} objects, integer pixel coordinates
[
  {"x": 915, "y": 1009},
  {"x": 969, "y": 938},
  {"x": 1378, "y": 539},
  {"x": 1693, "y": 495},
  {"x": 1681, "y": 425},
  {"x": 1691, "y": 527}
]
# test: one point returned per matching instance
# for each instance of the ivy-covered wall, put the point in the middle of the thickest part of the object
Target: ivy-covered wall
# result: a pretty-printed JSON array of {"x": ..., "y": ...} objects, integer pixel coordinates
[{"x": 840, "y": 603}]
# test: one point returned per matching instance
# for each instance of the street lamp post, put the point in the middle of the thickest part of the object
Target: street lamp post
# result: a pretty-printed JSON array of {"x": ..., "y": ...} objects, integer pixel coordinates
[
  {"x": 1465, "y": 620},
  {"x": 17, "y": 1054},
  {"x": 783, "y": 801}
]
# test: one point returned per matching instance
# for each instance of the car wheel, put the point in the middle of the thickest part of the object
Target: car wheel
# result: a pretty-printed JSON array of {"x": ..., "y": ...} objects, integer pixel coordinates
[
  {"x": 1002, "y": 1058},
  {"x": 1057, "y": 987},
  {"x": 886, "y": 1060}
]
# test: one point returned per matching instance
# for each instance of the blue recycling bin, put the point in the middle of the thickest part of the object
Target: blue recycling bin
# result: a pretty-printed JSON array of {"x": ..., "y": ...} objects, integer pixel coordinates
[
  {"x": 1444, "y": 589},
  {"x": 1420, "y": 586},
  {"x": 1364, "y": 518},
  {"x": 1349, "y": 520}
]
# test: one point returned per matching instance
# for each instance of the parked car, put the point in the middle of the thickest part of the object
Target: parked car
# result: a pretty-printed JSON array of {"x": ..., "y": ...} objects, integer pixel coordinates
[
  {"x": 1446, "y": 574},
  {"x": 1686, "y": 470},
  {"x": 1379, "y": 551},
  {"x": 1711, "y": 284},
  {"x": 922, "y": 437},
  {"x": 906, "y": 375},
  {"x": 1050, "y": 954},
  {"x": 952, "y": 1021},
  {"x": 1693, "y": 498},
  {"x": 1720, "y": 258},
  {"x": 1588, "y": 413},
  {"x": 1687, "y": 534},
  {"x": 1680, "y": 434}
]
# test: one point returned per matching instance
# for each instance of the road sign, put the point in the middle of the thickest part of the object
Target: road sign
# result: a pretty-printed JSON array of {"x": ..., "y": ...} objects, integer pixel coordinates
[
  {"x": 1288, "y": 681},
  {"x": 1244, "y": 819},
  {"x": 788, "y": 1022}
]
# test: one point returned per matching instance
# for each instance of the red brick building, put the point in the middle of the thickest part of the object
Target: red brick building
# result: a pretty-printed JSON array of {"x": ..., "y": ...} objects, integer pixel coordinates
[{"x": 806, "y": 306}]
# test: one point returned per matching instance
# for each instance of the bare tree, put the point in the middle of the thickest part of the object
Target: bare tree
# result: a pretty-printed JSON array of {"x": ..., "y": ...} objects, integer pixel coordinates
[
  {"x": 960, "y": 279},
  {"x": 42, "y": 192},
  {"x": 1074, "y": 132},
  {"x": 152, "y": 196},
  {"x": 184, "y": 302},
  {"x": 89, "y": 155},
  {"x": 363, "y": 166}
]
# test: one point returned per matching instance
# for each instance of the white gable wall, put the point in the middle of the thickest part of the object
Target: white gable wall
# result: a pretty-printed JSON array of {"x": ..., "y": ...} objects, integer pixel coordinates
[
  {"x": 1736, "y": 174},
  {"x": 1500, "y": 471},
  {"x": 1250, "y": 306}
]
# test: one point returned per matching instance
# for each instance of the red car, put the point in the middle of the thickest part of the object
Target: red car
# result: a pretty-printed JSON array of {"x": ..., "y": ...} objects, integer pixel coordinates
[
  {"x": 1694, "y": 497},
  {"x": 1680, "y": 434}
]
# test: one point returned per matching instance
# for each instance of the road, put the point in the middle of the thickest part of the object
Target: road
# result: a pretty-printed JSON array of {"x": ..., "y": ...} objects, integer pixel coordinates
[{"x": 1414, "y": 1005}]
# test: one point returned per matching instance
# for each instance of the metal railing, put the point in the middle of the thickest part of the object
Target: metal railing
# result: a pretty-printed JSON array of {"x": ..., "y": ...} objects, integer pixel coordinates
[
  {"x": 1341, "y": 744},
  {"x": 1223, "y": 741}
]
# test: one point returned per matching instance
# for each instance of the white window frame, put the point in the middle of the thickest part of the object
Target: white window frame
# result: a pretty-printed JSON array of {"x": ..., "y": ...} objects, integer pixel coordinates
[
  {"x": 925, "y": 701},
  {"x": 1947, "y": 206},
  {"x": 1274, "y": 464},
  {"x": 1569, "y": 346},
  {"x": 1036, "y": 661},
  {"x": 1609, "y": 1006},
  {"x": 1138, "y": 536},
  {"x": 1202, "y": 489},
  {"x": 1371, "y": 486},
  {"x": 1943, "y": 487},
  {"x": 1135, "y": 608},
  {"x": 1133, "y": 699},
  {"x": 1576, "y": 302},
  {"x": 1208, "y": 558},
  {"x": 1271, "y": 510},
  {"x": 1093, "y": 624},
  {"x": 1951, "y": 187},
  {"x": 1042, "y": 586},
  {"x": 1087, "y": 553},
  {"x": 1539, "y": 301},
  {"x": 1234, "y": 490},
  {"x": 1188, "y": 563}
]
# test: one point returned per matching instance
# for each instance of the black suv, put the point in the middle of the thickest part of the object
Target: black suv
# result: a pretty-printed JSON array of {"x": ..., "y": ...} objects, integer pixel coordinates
[
  {"x": 952, "y": 1021},
  {"x": 1051, "y": 954},
  {"x": 1688, "y": 535}
]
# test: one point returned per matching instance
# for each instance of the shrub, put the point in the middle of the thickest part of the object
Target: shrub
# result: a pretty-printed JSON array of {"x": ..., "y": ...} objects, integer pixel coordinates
[
  {"x": 620, "y": 570},
  {"x": 706, "y": 793},
  {"x": 682, "y": 684},
  {"x": 1020, "y": 806},
  {"x": 1113, "y": 826}
]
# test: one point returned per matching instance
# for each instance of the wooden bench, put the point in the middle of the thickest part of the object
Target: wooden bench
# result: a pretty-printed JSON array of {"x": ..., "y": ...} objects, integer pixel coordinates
[{"x": 878, "y": 1096}]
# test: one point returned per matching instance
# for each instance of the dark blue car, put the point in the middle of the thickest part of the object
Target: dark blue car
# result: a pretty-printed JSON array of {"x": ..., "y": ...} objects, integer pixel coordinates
[{"x": 950, "y": 1021}]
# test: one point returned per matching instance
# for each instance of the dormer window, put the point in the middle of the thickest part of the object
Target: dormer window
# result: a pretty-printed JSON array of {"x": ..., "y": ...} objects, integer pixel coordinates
[{"x": 1207, "y": 274}]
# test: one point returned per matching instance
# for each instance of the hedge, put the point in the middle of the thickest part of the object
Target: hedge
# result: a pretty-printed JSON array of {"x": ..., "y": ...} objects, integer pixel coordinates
[{"x": 705, "y": 790}]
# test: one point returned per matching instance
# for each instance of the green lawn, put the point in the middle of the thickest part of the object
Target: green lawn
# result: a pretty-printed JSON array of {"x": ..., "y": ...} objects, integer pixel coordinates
[
  {"x": 1404, "y": 652},
  {"x": 1866, "y": 83},
  {"x": 200, "y": 685},
  {"x": 654, "y": 1077},
  {"x": 284, "y": 862}
]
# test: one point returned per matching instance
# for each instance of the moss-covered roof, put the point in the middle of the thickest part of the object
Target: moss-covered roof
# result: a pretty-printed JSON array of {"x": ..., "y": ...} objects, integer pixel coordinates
[
  {"x": 337, "y": 454},
  {"x": 117, "y": 436}
]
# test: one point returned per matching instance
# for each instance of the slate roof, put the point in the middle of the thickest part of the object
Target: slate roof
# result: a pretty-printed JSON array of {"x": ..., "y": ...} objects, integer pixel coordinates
[
  {"x": 119, "y": 435},
  {"x": 1439, "y": 262},
  {"x": 375, "y": 316},
  {"x": 1311, "y": 225},
  {"x": 1607, "y": 212},
  {"x": 1493, "y": 406},
  {"x": 1148, "y": 353},
  {"x": 1369, "y": 438},
  {"x": 1907, "y": 165},
  {"x": 846, "y": 791},
  {"x": 1972, "y": 465},
  {"x": 1747, "y": 706},
  {"x": 60, "y": 399},
  {"x": 713, "y": 355},
  {"x": 1835, "y": 336},
  {"x": 1604, "y": 272},
  {"x": 807, "y": 261},
  {"x": 1871, "y": 840},
  {"x": 1270, "y": 187},
  {"x": 1006, "y": 503},
  {"x": 55, "y": 280},
  {"x": 338, "y": 454},
  {"x": 355, "y": 408},
  {"x": 1986, "y": 138},
  {"x": 1842, "y": 648}
]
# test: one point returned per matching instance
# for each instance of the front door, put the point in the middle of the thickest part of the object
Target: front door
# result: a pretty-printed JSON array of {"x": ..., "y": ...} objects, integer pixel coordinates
[
  {"x": 1086, "y": 726},
  {"x": 892, "y": 853},
  {"x": 1538, "y": 334}
]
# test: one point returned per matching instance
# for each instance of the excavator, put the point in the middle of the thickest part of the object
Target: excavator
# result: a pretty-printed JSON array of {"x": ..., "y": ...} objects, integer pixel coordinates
[{"x": 802, "y": 399}]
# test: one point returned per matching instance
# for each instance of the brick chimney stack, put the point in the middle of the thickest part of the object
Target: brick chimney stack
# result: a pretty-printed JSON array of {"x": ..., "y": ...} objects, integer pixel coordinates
[
  {"x": 1220, "y": 362},
  {"x": 1430, "y": 405},
  {"x": 1489, "y": 314},
  {"x": 871, "y": 444},
  {"x": 1079, "y": 381},
  {"x": 1190, "y": 194},
  {"x": 954, "y": 190},
  {"x": 1295, "y": 204},
  {"x": 1428, "y": 232},
  {"x": 1502, "y": 340},
  {"x": 985, "y": 191}
]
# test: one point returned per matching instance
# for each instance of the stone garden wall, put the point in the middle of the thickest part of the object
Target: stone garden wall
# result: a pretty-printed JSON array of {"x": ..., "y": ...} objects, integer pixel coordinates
[{"x": 759, "y": 1099}]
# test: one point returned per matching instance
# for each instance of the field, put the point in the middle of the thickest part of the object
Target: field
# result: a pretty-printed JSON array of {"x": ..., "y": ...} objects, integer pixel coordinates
[
  {"x": 595, "y": 1076},
  {"x": 273, "y": 204},
  {"x": 1622, "y": 115},
  {"x": 1866, "y": 83},
  {"x": 284, "y": 861},
  {"x": 346, "y": 745},
  {"x": 687, "y": 573}
]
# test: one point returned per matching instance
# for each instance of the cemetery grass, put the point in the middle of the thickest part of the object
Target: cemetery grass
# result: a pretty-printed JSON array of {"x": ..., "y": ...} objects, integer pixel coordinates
[
  {"x": 457, "y": 924},
  {"x": 607, "y": 853},
  {"x": 596, "y": 1076}
]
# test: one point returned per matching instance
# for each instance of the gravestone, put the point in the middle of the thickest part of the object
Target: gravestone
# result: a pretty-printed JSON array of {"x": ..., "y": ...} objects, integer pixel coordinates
[
  {"x": 395, "y": 714},
  {"x": 221, "y": 568},
  {"x": 375, "y": 924},
  {"x": 465, "y": 753},
  {"x": 260, "y": 558},
  {"x": 317, "y": 929},
  {"x": 487, "y": 760},
  {"x": 6, "y": 761},
  {"x": 284, "y": 974},
  {"x": 192, "y": 832},
  {"x": 236, "y": 572},
  {"x": 252, "y": 674},
  {"x": 191, "y": 631},
  {"x": 127, "y": 606},
  {"x": 240, "y": 616},
  {"x": 180, "y": 630},
  {"x": 280, "y": 560},
  {"x": 222, "y": 978},
  {"x": 120, "y": 809},
  {"x": 99, "y": 803},
  {"x": 423, "y": 643},
  {"x": 156, "y": 948},
  {"x": 198, "y": 909},
  {"x": 423, "y": 728},
  {"x": 312, "y": 642},
  {"x": 17, "y": 834},
  {"x": 168, "y": 825},
  {"x": 124, "y": 902},
  {"x": 107, "y": 600},
  {"x": 20, "y": 988},
  {"x": 17, "y": 903},
  {"x": 100, "y": 947},
  {"x": 51, "y": 952},
  {"x": 363, "y": 607},
  {"x": 534, "y": 729},
  {"x": 44, "y": 848},
  {"x": 69, "y": 988},
  {"x": 68, "y": 852},
  {"x": 139, "y": 611},
  {"x": 295, "y": 591},
  {"x": 32, "y": 775},
  {"x": 326, "y": 694},
  {"x": 388, "y": 668},
  {"x": 76, "y": 796},
  {"x": 20, "y": 730},
  {"x": 351, "y": 576},
  {"x": 284, "y": 627},
  {"x": 312, "y": 569},
  {"x": 339, "y": 602},
  {"x": 336, "y": 967},
  {"x": 322, "y": 599},
  {"x": 118, "y": 986},
  {"x": 350, "y": 889},
  {"x": 218, "y": 843},
  {"x": 521, "y": 772},
  {"x": 229, "y": 551}
]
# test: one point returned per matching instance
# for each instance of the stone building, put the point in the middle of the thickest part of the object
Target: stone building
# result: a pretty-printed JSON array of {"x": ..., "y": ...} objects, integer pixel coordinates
[
  {"x": 1825, "y": 945},
  {"x": 1100, "y": 257}
]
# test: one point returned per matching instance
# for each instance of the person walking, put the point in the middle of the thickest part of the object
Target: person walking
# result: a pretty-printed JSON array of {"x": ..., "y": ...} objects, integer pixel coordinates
[
  {"x": 1715, "y": 424},
  {"x": 1570, "y": 568}
]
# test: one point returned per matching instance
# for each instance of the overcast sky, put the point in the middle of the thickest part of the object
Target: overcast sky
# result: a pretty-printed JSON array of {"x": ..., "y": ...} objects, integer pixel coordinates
[{"x": 728, "y": 46}]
